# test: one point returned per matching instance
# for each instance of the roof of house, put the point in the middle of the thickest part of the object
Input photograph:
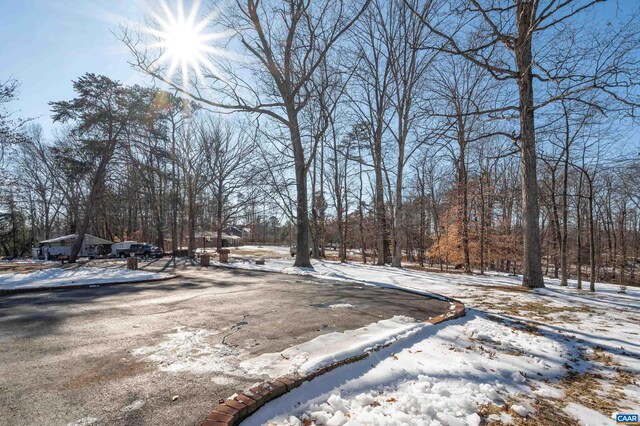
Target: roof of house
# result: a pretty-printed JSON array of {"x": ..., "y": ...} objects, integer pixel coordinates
[
  {"x": 205, "y": 234},
  {"x": 223, "y": 236},
  {"x": 230, "y": 237},
  {"x": 70, "y": 237}
]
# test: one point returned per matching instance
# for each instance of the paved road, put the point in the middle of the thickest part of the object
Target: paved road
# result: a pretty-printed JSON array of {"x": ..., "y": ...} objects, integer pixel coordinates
[{"x": 117, "y": 355}]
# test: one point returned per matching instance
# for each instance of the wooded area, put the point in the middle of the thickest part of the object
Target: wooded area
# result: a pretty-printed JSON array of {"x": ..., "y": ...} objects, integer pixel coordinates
[{"x": 473, "y": 135}]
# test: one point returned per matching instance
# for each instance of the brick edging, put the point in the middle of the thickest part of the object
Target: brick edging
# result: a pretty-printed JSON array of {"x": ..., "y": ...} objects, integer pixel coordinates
[
  {"x": 77, "y": 286},
  {"x": 232, "y": 411}
]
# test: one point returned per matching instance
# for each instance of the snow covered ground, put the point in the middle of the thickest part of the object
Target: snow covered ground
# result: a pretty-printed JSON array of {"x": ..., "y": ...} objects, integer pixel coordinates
[
  {"x": 58, "y": 277},
  {"x": 550, "y": 356},
  {"x": 27, "y": 261},
  {"x": 331, "y": 347},
  {"x": 272, "y": 252}
]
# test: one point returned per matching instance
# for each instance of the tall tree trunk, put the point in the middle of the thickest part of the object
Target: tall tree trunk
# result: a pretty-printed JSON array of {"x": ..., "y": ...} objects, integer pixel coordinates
[
  {"x": 398, "y": 229},
  {"x": 302, "y": 213},
  {"x": 423, "y": 219},
  {"x": 343, "y": 256},
  {"x": 592, "y": 241},
  {"x": 482, "y": 223},
  {"x": 532, "y": 267},
  {"x": 579, "y": 234},
  {"x": 314, "y": 213},
  {"x": 321, "y": 216},
  {"x": 557, "y": 234},
  {"x": 219, "y": 219},
  {"x": 381, "y": 216},
  {"x": 463, "y": 197},
  {"x": 191, "y": 219},
  {"x": 174, "y": 195},
  {"x": 622, "y": 243},
  {"x": 97, "y": 186},
  {"x": 565, "y": 214},
  {"x": 363, "y": 247}
]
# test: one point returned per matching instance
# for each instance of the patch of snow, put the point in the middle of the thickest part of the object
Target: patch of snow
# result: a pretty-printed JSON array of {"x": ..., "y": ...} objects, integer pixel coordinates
[
  {"x": 135, "y": 405},
  {"x": 190, "y": 351},
  {"x": 85, "y": 421},
  {"x": 441, "y": 374},
  {"x": 546, "y": 391},
  {"x": 222, "y": 380},
  {"x": 28, "y": 262},
  {"x": 58, "y": 277},
  {"x": 437, "y": 374},
  {"x": 520, "y": 410},
  {"x": 587, "y": 416},
  {"x": 331, "y": 347},
  {"x": 503, "y": 418},
  {"x": 340, "y": 306}
]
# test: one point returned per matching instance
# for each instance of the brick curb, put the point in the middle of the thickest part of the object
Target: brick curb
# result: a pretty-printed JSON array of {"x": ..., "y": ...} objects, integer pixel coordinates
[
  {"x": 232, "y": 411},
  {"x": 77, "y": 286}
]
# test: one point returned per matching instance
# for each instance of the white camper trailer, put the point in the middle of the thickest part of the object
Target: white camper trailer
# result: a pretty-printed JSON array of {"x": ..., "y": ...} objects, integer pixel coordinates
[{"x": 92, "y": 246}]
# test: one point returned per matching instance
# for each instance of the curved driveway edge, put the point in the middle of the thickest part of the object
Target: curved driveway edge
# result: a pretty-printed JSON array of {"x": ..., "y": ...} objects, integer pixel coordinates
[
  {"x": 234, "y": 410},
  {"x": 76, "y": 286}
]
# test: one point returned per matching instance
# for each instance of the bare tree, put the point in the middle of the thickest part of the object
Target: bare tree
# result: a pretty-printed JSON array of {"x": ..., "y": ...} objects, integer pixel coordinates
[
  {"x": 504, "y": 46},
  {"x": 289, "y": 42},
  {"x": 230, "y": 164},
  {"x": 193, "y": 152},
  {"x": 370, "y": 97},
  {"x": 460, "y": 89},
  {"x": 41, "y": 181}
]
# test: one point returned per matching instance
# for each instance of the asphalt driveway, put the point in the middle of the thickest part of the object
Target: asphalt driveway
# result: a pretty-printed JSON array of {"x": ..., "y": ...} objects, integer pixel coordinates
[{"x": 165, "y": 353}]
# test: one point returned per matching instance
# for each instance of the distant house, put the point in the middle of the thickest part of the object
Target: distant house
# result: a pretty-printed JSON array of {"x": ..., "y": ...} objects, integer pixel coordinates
[
  {"x": 238, "y": 231},
  {"x": 207, "y": 239},
  {"x": 231, "y": 240},
  {"x": 92, "y": 246}
]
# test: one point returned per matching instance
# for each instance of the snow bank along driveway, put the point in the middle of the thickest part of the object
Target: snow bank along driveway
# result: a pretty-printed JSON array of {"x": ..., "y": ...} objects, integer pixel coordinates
[
  {"x": 558, "y": 355},
  {"x": 58, "y": 277}
]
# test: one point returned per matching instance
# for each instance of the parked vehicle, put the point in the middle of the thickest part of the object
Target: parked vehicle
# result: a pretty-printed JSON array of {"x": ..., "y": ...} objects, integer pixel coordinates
[
  {"x": 134, "y": 248},
  {"x": 140, "y": 250},
  {"x": 122, "y": 249},
  {"x": 156, "y": 252},
  {"x": 145, "y": 250}
]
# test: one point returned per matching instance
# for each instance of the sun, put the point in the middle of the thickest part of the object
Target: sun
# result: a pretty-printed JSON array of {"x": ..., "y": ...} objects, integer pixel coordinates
[{"x": 183, "y": 41}]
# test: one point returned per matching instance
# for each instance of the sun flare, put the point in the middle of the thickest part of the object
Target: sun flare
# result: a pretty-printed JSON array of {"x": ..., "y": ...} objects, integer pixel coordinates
[
  {"x": 182, "y": 43},
  {"x": 184, "y": 40}
]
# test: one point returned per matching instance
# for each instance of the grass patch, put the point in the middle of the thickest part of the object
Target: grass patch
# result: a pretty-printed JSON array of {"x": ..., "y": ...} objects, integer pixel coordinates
[
  {"x": 516, "y": 325},
  {"x": 585, "y": 389},
  {"x": 625, "y": 378},
  {"x": 507, "y": 288},
  {"x": 538, "y": 309},
  {"x": 600, "y": 355},
  {"x": 547, "y": 412}
]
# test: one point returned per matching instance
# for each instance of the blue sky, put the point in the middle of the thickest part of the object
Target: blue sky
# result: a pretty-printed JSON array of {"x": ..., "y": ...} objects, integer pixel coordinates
[
  {"x": 48, "y": 43},
  {"x": 45, "y": 44}
]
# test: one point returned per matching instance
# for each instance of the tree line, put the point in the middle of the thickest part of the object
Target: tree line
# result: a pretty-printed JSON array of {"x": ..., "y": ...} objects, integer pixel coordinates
[{"x": 466, "y": 134}]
